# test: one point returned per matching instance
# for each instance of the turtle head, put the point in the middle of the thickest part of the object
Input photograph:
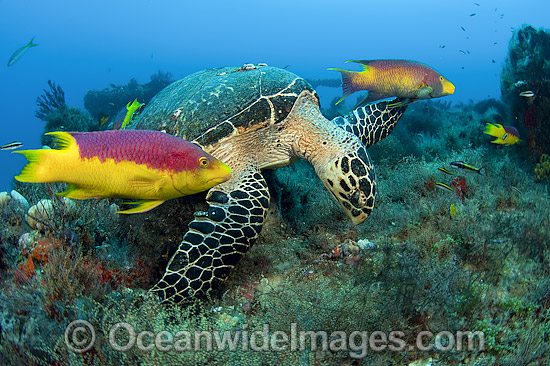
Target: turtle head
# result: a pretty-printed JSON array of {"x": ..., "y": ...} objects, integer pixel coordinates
[
  {"x": 339, "y": 157},
  {"x": 350, "y": 179}
]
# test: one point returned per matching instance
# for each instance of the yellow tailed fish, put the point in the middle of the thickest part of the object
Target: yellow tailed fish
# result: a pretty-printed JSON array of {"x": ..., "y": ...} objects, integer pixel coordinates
[
  {"x": 394, "y": 78},
  {"x": 150, "y": 166}
]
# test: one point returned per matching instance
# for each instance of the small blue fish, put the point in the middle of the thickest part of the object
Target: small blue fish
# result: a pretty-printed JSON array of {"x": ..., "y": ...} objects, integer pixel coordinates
[{"x": 17, "y": 54}]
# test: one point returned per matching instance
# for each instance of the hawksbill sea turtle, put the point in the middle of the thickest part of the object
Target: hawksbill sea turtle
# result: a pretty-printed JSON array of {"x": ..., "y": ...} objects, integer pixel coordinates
[{"x": 255, "y": 118}]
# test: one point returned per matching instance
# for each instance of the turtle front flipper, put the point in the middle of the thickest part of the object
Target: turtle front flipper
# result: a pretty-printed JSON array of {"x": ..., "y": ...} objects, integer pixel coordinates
[
  {"x": 372, "y": 122},
  {"x": 218, "y": 238}
]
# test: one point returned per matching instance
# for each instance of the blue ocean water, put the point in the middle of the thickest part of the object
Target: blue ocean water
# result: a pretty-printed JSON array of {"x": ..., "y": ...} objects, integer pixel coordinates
[{"x": 88, "y": 45}]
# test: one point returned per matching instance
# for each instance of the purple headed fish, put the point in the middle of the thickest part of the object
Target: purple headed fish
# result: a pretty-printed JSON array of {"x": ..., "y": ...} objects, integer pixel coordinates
[
  {"x": 394, "y": 78},
  {"x": 148, "y": 165},
  {"x": 505, "y": 135}
]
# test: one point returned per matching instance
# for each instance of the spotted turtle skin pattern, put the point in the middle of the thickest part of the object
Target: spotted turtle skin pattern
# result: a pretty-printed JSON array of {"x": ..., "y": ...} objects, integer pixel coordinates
[
  {"x": 253, "y": 120},
  {"x": 372, "y": 122},
  {"x": 216, "y": 240}
]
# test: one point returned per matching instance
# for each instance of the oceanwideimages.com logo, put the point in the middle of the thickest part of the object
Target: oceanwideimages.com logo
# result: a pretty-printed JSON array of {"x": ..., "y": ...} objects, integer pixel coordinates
[{"x": 80, "y": 337}]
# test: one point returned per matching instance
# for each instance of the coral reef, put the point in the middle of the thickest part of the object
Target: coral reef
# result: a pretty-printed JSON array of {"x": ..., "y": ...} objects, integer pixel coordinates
[
  {"x": 410, "y": 267},
  {"x": 67, "y": 119},
  {"x": 110, "y": 101},
  {"x": 486, "y": 105},
  {"x": 526, "y": 70}
]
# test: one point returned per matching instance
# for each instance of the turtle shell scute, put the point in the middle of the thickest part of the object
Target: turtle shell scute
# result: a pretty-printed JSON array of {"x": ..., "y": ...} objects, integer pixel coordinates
[{"x": 217, "y": 103}]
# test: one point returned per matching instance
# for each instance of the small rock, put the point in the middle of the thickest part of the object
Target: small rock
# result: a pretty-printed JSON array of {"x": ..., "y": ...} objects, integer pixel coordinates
[
  {"x": 39, "y": 213},
  {"x": 366, "y": 244},
  {"x": 22, "y": 201}
]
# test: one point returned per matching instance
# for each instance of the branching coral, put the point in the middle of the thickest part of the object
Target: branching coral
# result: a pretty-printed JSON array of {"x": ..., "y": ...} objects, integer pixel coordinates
[
  {"x": 50, "y": 101},
  {"x": 58, "y": 116}
]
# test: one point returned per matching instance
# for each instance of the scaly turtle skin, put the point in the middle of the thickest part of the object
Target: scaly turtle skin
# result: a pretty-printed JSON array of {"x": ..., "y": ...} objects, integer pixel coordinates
[{"x": 254, "y": 119}]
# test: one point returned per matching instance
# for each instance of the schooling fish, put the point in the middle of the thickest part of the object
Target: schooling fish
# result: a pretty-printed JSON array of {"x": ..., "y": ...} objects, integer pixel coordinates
[
  {"x": 12, "y": 146},
  {"x": 394, "y": 78},
  {"x": 124, "y": 117},
  {"x": 463, "y": 165},
  {"x": 505, "y": 135},
  {"x": 151, "y": 166},
  {"x": 17, "y": 54}
]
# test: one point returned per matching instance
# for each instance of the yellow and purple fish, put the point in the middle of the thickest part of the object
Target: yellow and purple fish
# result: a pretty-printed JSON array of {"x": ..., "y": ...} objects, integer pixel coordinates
[
  {"x": 151, "y": 166},
  {"x": 505, "y": 135},
  {"x": 394, "y": 78}
]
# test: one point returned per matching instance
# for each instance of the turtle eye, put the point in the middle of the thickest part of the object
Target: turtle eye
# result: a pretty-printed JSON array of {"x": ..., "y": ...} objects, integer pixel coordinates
[{"x": 203, "y": 162}]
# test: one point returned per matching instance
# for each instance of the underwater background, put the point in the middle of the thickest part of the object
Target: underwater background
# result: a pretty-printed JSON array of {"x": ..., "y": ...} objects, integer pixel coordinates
[{"x": 474, "y": 258}]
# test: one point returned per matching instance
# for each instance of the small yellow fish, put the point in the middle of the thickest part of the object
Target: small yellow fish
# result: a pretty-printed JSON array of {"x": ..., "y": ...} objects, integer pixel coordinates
[
  {"x": 394, "y": 78},
  {"x": 124, "y": 117},
  {"x": 505, "y": 135},
  {"x": 452, "y": 211}
]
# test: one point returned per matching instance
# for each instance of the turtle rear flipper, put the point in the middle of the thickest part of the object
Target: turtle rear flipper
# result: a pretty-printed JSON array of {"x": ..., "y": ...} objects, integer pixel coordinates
[{"x": 218, "y": 238}]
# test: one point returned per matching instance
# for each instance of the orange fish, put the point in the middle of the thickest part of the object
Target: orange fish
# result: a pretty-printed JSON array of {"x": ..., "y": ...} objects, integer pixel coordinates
[
  {"x": 151, "y": 166},
  {"x": 394, "y": 78}
]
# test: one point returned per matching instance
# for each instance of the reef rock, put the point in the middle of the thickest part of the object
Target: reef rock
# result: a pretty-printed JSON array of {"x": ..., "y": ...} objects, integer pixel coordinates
[
  {"x": 526, "y": 70},
  {"x": 21, "y": 201},
  {"x": 43, "y": 212}
]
